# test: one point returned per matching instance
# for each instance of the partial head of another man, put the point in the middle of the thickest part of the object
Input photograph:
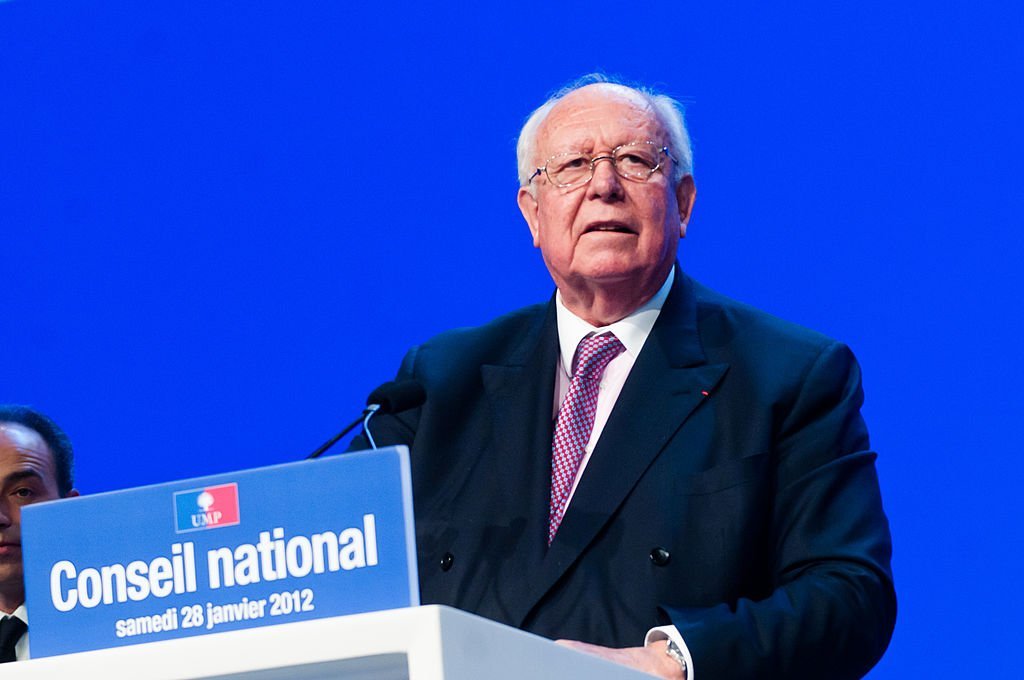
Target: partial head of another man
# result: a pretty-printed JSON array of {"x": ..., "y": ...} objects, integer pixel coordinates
[
  {"x": 36, "y": 463},
  {"x": 607, "y": 191}
]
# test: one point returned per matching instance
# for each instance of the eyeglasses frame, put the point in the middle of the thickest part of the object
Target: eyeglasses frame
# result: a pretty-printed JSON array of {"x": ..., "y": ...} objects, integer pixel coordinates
[{"x": 605, "y": 157}]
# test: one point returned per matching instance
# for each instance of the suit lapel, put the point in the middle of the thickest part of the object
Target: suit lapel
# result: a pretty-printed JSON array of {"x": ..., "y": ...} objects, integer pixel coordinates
[
  {"x": 664, "y": 387},
  {"x": 520, "y": 393}
]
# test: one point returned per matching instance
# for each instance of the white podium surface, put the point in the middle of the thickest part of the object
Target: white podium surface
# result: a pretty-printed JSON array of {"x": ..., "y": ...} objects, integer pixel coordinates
[{"x": 420, "y": 643}]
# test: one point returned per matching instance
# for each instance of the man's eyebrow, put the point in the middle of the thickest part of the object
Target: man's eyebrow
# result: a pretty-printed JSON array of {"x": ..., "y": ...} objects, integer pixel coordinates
[{"x": 22, "y": 475}]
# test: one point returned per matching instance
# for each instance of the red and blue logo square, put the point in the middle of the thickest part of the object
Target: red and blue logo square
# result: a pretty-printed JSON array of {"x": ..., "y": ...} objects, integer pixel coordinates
[{"x": 212, "y": 507}]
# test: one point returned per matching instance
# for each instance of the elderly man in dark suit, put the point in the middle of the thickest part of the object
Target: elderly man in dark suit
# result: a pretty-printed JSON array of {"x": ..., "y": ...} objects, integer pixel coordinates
[{"x": 668, "y": 478}]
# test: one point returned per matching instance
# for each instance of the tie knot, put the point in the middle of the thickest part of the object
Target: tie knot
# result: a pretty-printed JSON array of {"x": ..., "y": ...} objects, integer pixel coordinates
[{"x": 594, "y": 354}]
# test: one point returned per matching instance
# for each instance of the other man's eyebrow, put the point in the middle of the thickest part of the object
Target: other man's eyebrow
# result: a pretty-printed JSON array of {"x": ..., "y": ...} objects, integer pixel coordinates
[{"x": 22, "y": 475}]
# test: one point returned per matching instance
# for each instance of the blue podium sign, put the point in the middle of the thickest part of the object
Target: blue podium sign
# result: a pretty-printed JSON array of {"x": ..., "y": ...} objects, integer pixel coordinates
[{"x": 284, "y": 543}]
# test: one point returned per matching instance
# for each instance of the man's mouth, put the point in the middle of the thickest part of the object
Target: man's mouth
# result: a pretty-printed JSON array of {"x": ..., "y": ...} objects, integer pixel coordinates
[{"x": 609, "y": 227}]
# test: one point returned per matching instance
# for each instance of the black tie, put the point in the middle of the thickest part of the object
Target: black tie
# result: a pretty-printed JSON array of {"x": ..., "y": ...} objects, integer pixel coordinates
[{"x": 11, "y": 630}]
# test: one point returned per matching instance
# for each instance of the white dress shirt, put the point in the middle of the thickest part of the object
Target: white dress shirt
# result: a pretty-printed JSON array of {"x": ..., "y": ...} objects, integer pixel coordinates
[{"x": 632, "y": 332}]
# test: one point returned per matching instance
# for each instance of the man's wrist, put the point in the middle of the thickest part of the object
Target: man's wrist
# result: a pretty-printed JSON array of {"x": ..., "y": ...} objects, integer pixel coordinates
[
  {"x": 676, "y": 654},
  {"x": 658, "y": 634}
]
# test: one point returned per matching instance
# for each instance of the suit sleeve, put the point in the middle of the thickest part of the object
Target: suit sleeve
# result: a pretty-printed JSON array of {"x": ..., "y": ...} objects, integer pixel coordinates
[{"x": 832, "y": 608}]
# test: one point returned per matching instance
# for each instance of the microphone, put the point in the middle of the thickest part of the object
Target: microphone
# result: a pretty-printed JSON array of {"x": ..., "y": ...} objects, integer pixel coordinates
[
  {"x": 391, "y": 397},
  {"x": 397, "y": 396}
]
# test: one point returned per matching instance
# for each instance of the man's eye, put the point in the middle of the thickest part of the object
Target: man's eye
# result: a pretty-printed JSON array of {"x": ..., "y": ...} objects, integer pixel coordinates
[
  {"x": 635, "y": 160},
  {"x": 574, "y": 163},
  {"x": 24, "y": 492}
]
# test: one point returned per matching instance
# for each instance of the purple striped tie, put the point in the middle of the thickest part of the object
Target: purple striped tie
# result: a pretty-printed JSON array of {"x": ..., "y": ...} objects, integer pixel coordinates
[{"x": 576, "y": 420}]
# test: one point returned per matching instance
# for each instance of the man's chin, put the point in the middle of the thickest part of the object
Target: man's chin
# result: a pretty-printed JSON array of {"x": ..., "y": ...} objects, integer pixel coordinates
[
  {"x": 611, "y": 272},
  {"x": 11, "y": 579}
]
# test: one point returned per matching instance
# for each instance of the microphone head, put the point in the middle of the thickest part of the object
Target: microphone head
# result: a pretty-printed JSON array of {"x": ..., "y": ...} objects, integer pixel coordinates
[{"x": 397, "y": 396}]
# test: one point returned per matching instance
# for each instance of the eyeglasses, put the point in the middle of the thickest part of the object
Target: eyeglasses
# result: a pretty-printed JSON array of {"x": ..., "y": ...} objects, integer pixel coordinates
[{"x": 636, "y": 161}]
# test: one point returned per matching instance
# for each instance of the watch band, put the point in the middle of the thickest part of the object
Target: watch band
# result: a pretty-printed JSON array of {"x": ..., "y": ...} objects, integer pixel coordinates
[{"x": 672, "y": 649}]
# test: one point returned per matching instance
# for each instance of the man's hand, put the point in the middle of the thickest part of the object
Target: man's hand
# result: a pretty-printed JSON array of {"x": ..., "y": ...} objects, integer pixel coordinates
[{"x": 650, "y": 659}]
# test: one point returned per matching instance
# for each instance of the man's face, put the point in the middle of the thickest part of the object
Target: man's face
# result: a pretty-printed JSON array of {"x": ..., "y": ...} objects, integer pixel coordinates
[
  {"x": 611, "y": 230},
  {"x": 28, "y": 474}
]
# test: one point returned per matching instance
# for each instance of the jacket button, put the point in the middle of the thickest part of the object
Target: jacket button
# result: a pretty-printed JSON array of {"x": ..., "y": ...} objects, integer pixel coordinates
[
  {"x": 660, "y": 556},
  {"x": 447, "y": 561}
]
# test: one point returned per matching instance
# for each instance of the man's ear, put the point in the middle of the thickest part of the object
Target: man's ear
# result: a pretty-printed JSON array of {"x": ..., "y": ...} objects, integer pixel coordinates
[
  {"x": 72, "y": 493},
  {"x": 528, "y": 206},
  {"x": 686, "y": 194}
]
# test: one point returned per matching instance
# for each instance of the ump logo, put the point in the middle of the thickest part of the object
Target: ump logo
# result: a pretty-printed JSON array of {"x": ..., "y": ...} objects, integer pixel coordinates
[{"x": 209, "y": 508}]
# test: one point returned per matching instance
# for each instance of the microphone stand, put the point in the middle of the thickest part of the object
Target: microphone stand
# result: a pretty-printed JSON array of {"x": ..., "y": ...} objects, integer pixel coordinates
[{"x": 363, "y": 418}]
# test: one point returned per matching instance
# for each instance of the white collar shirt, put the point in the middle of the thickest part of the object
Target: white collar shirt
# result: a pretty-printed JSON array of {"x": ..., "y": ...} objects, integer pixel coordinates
[{"x": 632, "y": 331}]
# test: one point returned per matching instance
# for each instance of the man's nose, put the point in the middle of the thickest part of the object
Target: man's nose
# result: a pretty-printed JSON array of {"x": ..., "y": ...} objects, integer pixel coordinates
[
  {"x": 5, "y": 514},
  {"x": 606, "y": 182}
]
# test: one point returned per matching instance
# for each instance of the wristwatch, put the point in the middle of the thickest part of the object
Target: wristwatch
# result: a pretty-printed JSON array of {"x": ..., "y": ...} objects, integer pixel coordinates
[{"x": 672, "y": 649}]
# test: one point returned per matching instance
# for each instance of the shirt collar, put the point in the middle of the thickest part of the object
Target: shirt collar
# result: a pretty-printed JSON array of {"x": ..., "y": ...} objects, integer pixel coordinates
[
  {"x": 20, "y": 613},
  {"x": 632, "y": 331}
]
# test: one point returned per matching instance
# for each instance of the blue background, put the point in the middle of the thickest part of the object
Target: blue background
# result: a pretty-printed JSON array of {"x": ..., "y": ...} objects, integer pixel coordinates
[{"x": 224, "y": 222}]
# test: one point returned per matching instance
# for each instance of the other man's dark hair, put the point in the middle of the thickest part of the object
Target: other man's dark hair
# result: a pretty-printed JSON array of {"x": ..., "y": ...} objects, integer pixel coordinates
[{"x": 56, "y": 440}]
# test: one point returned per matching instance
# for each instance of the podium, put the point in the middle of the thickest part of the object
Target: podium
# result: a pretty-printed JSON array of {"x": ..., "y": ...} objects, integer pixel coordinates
[
  {"x": 301, "y": 570},
  {"x": 417, "y": 643}
]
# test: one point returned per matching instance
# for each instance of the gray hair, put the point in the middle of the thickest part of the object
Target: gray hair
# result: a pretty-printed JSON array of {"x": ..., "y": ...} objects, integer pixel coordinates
[{"x": 670, "y": 114}]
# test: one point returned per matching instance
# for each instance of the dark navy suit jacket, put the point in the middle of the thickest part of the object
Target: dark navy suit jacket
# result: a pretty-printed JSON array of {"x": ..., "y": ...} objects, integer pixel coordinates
[{"x": 732, "y": 493}]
